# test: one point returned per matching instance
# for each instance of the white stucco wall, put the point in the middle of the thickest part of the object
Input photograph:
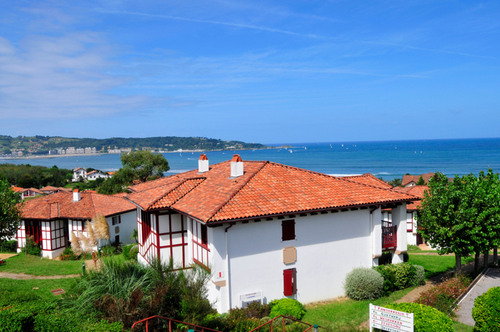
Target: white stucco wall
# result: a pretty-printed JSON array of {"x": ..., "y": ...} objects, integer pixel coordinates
[
  {"x": 328, "y": 247},
  {"x": 123, "y": 229}
]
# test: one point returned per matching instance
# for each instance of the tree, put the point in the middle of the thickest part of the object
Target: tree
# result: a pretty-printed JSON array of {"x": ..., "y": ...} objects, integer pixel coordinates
[
  {"x": 396, "y": 182},
  {"x": 138, "y": 165},
  {"x": 462, "y": 216},
  {"x": 10, "y": 210},
  {"x": 444, "y": 217},
  {"x": 421, "y": 181},
  {"x": 145, "y": 165}
]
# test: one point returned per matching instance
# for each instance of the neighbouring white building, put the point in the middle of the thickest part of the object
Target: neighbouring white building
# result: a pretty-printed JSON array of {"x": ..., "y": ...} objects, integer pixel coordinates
[
  {"x": 94, "y": 175},
  {"x": 412, "y": 234},
  {"x": 51, "y": 219},
  {"x": 267, "y": 231},
  {"x": 79, "y": 174}
]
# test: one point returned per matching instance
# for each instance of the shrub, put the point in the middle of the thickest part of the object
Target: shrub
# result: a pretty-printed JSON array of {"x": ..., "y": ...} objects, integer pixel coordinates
[
  {"x": 486, "y": 311},
  {"x": 419, "y": 277},
  {"x": 68, "y": 255},
  {"x": 399, "y": 276},
  {"x": 287, "y": 307},
  {"x": 130, "y": 251},
  {"x": 364, "y": 284},
  {"x": 32, "y": 248},
  {"x": 443, "y": 296},
  {"x": 425, "y": 318},
  {"x": 8, "y": 246}
]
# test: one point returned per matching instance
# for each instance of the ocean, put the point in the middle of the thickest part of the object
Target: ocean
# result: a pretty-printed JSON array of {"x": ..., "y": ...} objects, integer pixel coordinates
[{"x": 384, "y": 159}]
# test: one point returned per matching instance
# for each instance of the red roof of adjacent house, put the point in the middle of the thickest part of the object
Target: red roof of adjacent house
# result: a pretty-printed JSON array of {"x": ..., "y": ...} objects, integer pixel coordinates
[
  {"x": 265, "y": 189},
  {"x": 417, "y": 191},
  {"x": 61, "y": 205},
  {"x": 369, "y": 179},
  {"x": 407, "y": 179}
]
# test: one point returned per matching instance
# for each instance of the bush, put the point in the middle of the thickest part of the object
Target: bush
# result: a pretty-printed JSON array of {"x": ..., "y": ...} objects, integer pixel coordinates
[
  {"x": 8, "y": 246},
  {"x": 425, "y": 318},
  {"x": 399, "y": 276},
  {"x": 68, "y": 255},
  {"x": 32, "y": 248},
  {"x": 130, "y": 251},
  {"x": 364, "y": 284},
  {"x": 443, "y": 296},
  {"x": 419, "y": 277},
  {"x": 287, "y": 307},
  {"x": 486, "y": 311}
]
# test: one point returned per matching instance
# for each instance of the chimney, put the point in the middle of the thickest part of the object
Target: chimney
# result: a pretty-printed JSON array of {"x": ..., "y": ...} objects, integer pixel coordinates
[
  {"x": 236, "y": 166},
  {"x": 203, "y": 163},
  {"x": 76, "y": 195}
]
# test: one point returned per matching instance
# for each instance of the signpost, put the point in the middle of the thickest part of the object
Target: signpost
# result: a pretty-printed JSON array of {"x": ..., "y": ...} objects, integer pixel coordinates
[{"x": 390, "y": 320}]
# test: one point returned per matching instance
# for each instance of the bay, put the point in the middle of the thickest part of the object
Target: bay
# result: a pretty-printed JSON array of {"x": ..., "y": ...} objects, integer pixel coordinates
[{"x": 385, "y": 159}]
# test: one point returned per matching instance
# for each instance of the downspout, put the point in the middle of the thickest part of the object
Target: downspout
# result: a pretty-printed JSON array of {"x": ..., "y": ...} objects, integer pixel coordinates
[{"x": 228, "y": 276}]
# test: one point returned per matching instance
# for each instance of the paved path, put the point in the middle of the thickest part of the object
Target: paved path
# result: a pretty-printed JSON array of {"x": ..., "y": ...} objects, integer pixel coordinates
[{"x": 490, "y": 279}]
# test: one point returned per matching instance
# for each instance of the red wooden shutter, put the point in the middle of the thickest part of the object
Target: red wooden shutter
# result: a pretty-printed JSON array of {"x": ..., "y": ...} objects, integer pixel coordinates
[{"x": 289, "y": 282}]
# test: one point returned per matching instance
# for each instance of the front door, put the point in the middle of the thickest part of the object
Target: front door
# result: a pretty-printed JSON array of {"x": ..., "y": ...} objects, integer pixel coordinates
[{"x": 33, "y": 229}]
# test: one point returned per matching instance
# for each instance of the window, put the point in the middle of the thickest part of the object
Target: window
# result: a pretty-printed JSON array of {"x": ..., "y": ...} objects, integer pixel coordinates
[
  {"x": 204, "y": 236},
  {"x": 146, "y": 225},
  {"x": 116, "y": 220},
  {"x": 117, "y": 239},
  {"x": 288, "y": 230},
  {"x": 289, "y": 282}
]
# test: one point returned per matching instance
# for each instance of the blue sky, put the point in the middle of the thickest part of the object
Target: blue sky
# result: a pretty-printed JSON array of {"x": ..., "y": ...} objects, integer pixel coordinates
[{"x": 257, "y": 71}]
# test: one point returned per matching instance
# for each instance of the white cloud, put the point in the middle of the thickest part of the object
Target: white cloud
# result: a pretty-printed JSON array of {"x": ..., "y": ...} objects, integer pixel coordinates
[{"x": 60, "y": 77}]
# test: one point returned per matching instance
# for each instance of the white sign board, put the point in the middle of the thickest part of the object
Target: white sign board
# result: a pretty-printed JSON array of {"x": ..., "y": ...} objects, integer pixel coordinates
[{"x": 390, "y": 320}]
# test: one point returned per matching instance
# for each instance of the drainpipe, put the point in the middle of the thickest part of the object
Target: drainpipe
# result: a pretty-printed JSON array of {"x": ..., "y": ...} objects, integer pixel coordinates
[{"x": 228, "y": 276}]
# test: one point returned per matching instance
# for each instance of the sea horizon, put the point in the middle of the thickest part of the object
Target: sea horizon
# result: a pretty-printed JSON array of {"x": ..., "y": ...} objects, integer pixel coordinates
[{"x": 385, "y": 159}]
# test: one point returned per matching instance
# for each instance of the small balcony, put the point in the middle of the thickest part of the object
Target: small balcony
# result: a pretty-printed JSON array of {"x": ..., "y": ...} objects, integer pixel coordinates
[{"x": 389, "y": 236}]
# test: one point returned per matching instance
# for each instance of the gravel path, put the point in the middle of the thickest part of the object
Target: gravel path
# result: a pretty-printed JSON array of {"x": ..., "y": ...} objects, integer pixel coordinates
[{"x": 490, "y": 279}]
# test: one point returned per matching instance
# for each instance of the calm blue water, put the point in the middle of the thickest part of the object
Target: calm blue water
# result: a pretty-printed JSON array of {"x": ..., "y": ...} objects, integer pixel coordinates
[{"x": 389, "y": 159}]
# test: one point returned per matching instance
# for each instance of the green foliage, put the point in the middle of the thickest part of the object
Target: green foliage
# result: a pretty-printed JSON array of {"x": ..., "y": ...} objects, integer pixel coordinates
[
  {"x": 68, "y": 255},
  {"x": 419, "y": 276},
  {"x": 145, "y": 165},
  {"x": 287, "y": 307},
  {"x": 10, "y": 211},
  {"x": 363, "y": 284},
  {"x": 425, "y": 318},
  {"x": 8, "y": 246},
  {"x": 117, "y": 183},
  {"x": 486, "y": 311},
  {"x": 397, "y": 182},
  {"x": 32, "y": 248},
  {"x": 461, "y": 216},
  {"x": 421, "y": 181},
  {"x": 127, "y": 292},
  {"x": 35, "y": 265},
  {"x": 27, "y": 176}
]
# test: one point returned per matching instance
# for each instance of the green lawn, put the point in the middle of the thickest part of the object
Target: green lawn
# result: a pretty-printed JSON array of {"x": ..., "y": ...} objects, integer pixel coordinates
[
  {"x": 436, "y": 264},
  {"x": 345, "y": 313},
  {"x": 40, "y": 266},
  {"x": 459, "y": 327},
  {"x": 41, "y": 287}
]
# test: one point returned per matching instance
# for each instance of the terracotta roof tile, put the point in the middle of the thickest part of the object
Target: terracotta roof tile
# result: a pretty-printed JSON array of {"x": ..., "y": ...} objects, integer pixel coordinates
[
  {"x": 417, "y": 191},
  {"x": 61, "y": 205},
  {"x": 264, "y": 189},
  {"x": 369, "y": 179}
]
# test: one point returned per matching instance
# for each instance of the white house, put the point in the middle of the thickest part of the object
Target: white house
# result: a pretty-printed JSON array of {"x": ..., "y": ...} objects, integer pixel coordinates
[
  {"x": 412, "y": 234},
  {"x": 51, "y": 219},
  {"x": 266, "y": 230},
  {"x": 79, "y": 174},
  {"x": 94, "y": 175},
  {"x": 27, "y": 192}
]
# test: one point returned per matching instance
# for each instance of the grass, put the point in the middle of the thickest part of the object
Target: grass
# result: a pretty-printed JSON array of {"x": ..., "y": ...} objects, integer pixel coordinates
[
  {"x": 41, "y": 287},
  {"x": 35, "y": 265},
  {"x": 435, "y": 264},
  {"x": 345, "y": 313},
  {"x": 459, "y": 327}
]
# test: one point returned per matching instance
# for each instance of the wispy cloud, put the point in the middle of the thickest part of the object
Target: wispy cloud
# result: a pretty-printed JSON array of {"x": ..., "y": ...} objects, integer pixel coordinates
[
  {"x": 60, "y": 77},
  {"x": 215, "y": 22}
]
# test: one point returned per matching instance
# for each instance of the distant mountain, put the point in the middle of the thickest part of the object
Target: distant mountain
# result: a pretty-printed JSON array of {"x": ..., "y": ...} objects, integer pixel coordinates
[{"x": 39, "y": 145}]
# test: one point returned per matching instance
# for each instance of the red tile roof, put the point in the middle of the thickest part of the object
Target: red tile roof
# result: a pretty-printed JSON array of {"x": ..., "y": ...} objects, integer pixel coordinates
[
  {"x": 265, "y": 189},
  {"x": 417, "y": 191},
  {"x": 61, "y": 205},
  {"x": 369, "y": 179},
  {"x": 407, "y": 179}
]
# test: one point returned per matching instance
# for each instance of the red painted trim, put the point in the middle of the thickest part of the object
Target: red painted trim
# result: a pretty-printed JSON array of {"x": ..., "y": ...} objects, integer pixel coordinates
[{"x": 158, "y": 235}]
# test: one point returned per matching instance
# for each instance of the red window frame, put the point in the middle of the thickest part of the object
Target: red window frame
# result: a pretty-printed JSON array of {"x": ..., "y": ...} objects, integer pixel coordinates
[{"x": 146, "y": 225}]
